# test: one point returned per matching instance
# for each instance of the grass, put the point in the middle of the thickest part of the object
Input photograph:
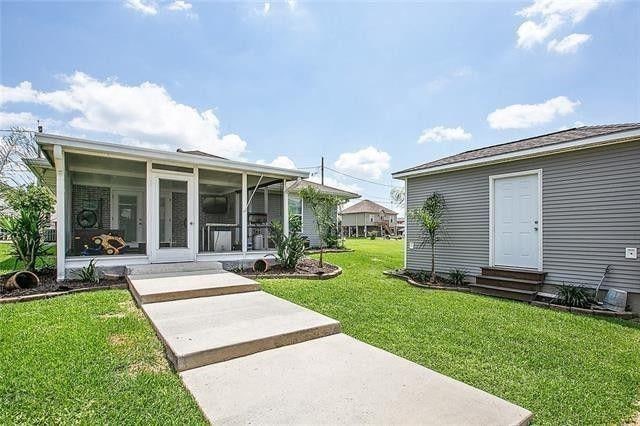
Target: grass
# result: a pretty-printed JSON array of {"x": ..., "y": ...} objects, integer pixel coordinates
[
  {"x": 565, "y": 368},
  {"x": 90, "y": 358},
  {"x": 8, "y": 260}
]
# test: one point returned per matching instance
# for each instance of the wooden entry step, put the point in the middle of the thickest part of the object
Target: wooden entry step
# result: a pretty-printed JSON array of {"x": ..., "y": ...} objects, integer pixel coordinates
[{"x": 518, "y": 274}]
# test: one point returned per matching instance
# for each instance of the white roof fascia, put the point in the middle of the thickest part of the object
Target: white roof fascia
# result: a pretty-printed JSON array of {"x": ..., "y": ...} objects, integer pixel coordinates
[{"x": 78, "y": 145}]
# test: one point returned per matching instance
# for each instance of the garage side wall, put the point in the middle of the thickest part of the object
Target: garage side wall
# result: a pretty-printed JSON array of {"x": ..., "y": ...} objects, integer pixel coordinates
[{"x": 590, "y": 214}]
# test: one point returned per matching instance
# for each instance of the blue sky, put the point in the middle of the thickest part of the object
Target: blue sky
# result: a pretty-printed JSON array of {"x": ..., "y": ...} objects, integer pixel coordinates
[{"x": 360, "y": 83}]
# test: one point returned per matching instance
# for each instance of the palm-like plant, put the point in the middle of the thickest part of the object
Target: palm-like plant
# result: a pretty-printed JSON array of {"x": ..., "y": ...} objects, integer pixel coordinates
[{"x": 430, "y": 216}]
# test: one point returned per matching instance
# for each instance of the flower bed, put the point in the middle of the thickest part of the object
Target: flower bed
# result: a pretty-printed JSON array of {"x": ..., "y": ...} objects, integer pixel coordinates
[
  {"x": 440, "y": 284},
  {"x": 305, "y": 269},
  {"x": 49, "y": 287}
]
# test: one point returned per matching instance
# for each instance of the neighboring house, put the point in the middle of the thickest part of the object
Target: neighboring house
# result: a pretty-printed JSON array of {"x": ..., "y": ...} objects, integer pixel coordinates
[
  {"x": 366, "y": 216},
  {"x": 401, "y": 226},
  {"x": 297, "y": 206},
  {"x": 166, "y": 206},
  {"x": 566, "y": 204}
]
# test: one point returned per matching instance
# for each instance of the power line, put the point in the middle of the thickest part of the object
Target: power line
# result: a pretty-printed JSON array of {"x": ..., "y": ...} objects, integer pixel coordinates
[{"x": 360, "y": 179}]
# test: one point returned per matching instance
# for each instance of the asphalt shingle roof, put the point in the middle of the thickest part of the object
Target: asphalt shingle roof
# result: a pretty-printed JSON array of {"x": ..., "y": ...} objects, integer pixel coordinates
[
  {"x": 367, "y": 206},
  {"x": 528, "y": 143}
]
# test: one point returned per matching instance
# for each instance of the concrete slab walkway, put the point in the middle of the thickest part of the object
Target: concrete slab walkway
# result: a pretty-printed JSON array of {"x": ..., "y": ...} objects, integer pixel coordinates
[{"x": 250, "y": 357}]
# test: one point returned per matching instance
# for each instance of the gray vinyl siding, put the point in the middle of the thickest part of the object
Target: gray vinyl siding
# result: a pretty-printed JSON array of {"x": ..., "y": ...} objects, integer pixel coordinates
[
  {"x": 590, "y": 214},
  {"x": 353, "y": 219},
  {"x": 309, "y": 226}
]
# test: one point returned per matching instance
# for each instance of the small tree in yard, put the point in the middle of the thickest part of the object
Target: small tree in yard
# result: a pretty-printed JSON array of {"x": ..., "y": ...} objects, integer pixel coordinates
[
  {"x": 324, "y": 207},
  {"x": 289, "y": 248},
  {"x": 31, "y": 206},
  {"x": 430, "y": 217}
]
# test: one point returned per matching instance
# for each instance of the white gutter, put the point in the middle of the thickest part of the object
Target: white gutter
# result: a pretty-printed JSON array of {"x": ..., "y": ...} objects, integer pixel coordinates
[
  {"x": 111, "y": 149},
  {"x": 591, "y": 142}
]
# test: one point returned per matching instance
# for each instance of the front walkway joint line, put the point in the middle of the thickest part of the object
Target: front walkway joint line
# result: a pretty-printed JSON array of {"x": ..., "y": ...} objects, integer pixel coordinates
[{"x": 228, "y": 339}]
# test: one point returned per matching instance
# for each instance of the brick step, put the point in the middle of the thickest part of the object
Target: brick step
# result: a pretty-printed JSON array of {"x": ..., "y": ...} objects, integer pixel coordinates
[
  {"x": 508, "y": 282},
  {"x": 504, "y": 293},
  {"x": 519, "y": 274}
]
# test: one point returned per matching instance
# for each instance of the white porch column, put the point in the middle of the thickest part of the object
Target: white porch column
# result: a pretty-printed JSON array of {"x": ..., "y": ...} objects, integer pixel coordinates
[
  {"x": 285, "y": 207},
  {"x": 151, "y": 209},
  {"x": 196, "y": 213},
  {"x": 245, "y": 229},
  {"x": 61, "y": 214}
]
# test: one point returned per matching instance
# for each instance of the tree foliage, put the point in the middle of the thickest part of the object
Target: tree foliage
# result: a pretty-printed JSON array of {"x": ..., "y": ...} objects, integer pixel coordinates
[
  {"x": 14, "y": 147},
  {"x": 324, "y": 207},
  {"x": 289, "y": 248},
  {"x": 30, "y": 207},
  {"x": 431, "y": 218}
]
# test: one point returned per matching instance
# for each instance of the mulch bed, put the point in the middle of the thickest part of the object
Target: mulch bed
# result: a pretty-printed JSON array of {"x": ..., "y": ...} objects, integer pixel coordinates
[
  {"x": 49, "y": 286},
  {"x": 440, "y": 284},
  {"x": 306, "y": 268},
  {"x": 331, "y": 250}
]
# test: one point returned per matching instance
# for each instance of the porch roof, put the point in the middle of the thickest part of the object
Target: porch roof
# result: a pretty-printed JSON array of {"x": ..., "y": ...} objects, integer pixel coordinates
[{"x": 112, "y": 150}]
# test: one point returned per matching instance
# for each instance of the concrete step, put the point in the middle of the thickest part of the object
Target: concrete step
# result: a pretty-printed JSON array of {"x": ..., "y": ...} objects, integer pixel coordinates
[
  {"x": 503, "y": 292},
  {"x": 208, "y": 330},
  {"x": 519, "y": 284},
  {"x": 521, "y": 274},
  {"x": 170, "y": 286},
  {"x": 340, "y": 380},
  {"x": 177, "y": 267}
]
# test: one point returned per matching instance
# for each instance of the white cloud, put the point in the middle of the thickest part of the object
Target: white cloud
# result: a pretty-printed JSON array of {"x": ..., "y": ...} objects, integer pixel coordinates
[
  {"x": 335, "y": 183},
  {"x": 26, "y": 120},
  {"x": 179, "y": 5},
  {"x": 569, "y": 44},
  {"x": 266, "y": 8},
  {"x": 544, "y": 17},
  {"x": 292, "y": 4},
  {"x": 531, "y": 33},
  {"x": 520, "y": 116},
  {"x": 577, "y": 10},
  {"x": 145, "y": 113},
  {"x": 368, "y": 162},
  {"x": 143, "y": 6},
  {"x": 441, "y": 133},
  {"x": 440, "y": 83},
  {"x": 281, "y": 161}
]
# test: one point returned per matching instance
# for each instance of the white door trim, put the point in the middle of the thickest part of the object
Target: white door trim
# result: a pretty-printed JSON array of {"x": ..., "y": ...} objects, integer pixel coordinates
[
  {"x": 492, "y": 180},
  {"x": 171, "y": 254}
]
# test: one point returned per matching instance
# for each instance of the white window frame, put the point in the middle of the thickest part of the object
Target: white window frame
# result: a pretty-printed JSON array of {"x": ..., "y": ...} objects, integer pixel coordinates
[
  {"x": 492, "y": 179},
  {"x": 301, "y": 214}
]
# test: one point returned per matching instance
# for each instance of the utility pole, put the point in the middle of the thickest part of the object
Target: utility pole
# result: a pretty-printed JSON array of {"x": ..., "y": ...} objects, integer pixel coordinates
[{"x": 322, "y": 171}]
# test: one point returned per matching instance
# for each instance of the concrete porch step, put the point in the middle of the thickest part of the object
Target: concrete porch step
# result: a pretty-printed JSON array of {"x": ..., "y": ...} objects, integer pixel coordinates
[
  {"x": 339, "y": 380},
  {"x": 208, "y": 330},
  {"x": 170, "y": 286},
  {"x": 503, "y": 292},
  {"x": 176, "y": 267}
]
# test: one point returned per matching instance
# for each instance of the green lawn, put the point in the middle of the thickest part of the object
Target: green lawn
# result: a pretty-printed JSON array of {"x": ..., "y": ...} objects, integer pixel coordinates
[
  {"x": 90, "y": 358},
  {"x": 8, "y": 261},
  {"x": 567, "y": 369}
]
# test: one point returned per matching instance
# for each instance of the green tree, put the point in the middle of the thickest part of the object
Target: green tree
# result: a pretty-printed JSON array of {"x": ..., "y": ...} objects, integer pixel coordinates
[
  {"x": 289, "y": 248},
  {"x": 30, "y": 208},
  {"x": 430, "y": 216},
  {"x": 324, "y": 207}
]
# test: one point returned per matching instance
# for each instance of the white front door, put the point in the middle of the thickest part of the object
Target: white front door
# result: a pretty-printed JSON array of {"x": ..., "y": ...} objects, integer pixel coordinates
[
  {"x": 173, "y": 218},
  {"x": 127, "y": 214},
  {"x": 516, "y": 221}
]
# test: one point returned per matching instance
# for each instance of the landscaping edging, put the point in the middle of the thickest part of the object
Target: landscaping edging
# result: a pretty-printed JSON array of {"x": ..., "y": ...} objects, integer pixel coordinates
[
  {"x": 326, "y": 276},
  {"x": 583, "y": 311},
  {"x": 51, "y": 294},
  {"x": 316, "y": 251},
  {"x": 417, "y": 284}
]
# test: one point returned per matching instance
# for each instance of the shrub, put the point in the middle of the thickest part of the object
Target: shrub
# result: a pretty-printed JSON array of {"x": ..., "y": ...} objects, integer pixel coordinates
[
  {"x": 289, "y": 248},
  {"x": 89, "y": 273},
  {"x": 372, "y": 235},
  {"x": 324, "y": 207},
  {"x": 457, "y": 276},
  {"x": 31, "y": 207},
  {"x": 573, "y": 295}
]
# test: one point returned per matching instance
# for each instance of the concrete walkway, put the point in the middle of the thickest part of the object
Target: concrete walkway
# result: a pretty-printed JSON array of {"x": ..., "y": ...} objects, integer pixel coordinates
[{"x": 250, "y": 357}]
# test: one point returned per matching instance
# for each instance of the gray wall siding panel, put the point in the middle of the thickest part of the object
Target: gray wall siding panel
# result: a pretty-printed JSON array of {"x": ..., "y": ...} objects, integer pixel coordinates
[{"x": 591, "y": 212}]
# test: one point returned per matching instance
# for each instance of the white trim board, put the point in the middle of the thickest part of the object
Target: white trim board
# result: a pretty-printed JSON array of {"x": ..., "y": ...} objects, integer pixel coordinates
[
  {"x": 492, "y": 180},
  {"x": 592, "y": 142}
]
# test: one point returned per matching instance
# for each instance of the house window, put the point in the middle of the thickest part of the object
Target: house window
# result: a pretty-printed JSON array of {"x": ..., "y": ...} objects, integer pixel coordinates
[
  {"x": 295, "y": 207},
  {"x": 371, "y": 218}
]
